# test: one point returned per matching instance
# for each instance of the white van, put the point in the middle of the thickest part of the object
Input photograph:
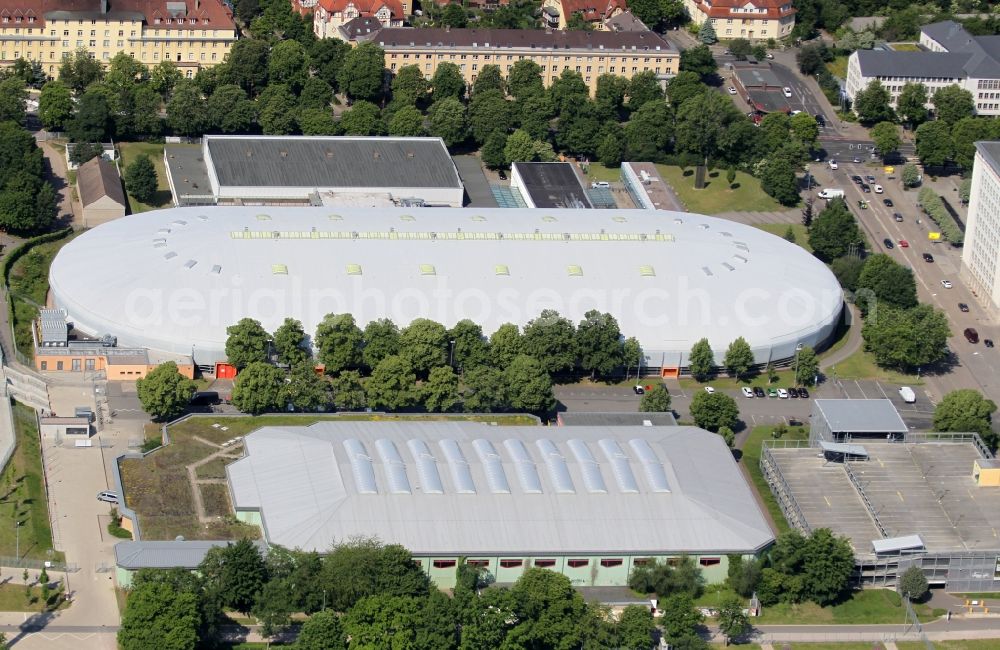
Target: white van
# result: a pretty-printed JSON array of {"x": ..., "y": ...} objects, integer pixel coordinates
[
  {"x": 830, "y": 193},
  {"x": 907, "y": 394}
]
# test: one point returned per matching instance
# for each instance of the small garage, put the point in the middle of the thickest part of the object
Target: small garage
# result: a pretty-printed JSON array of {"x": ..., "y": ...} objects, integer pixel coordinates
[
  {"x": 100, "y": 190},
  {"x": 57, "y": 427}
]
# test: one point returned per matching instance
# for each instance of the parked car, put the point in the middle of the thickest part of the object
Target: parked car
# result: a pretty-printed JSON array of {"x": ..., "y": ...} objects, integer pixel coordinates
[
  {"x": 971, "y": 335},
  {"x": 887, "y": 203},
  {"x": 793, "y": 392},
  {"x": 888, "y": 243},
  {"x": 782, "y": 393},
  {"x": 878, "y": 189},
  {"x": 759, "y": 392},
  {"x": 903, "y": 243},
  {"x": 898, "y": 218},
  {"x": 870, "y": 178},
  {"x": 768, "y": 56},
  {"x": 107, "y": 497},
  {"x": 819, "y": 118},
  {"x": 857, "y": 179},
  {"x": 803, "y": 393},
  {"x": 709, "y": 390},
  {"x": 732, "y": 90},
  {"x": 771, "y": 392},
  {"x": 502, "y": 174},
  {"x": 597, "y": 184},
  {"x": 833, "y": 164},
  {"x": 787, "y": 91},
  {"x": 747, "y": 391},
  {"x": 928, "y": 257},
  {"x": 988, "y": 343},
  {"x": 866, "y": 188},
  {"x": 964, "y": 308},
  {"x": 946, "y": 284},
  {"x": 863, "y": 204},
  {"x": 639, "y": 390}
]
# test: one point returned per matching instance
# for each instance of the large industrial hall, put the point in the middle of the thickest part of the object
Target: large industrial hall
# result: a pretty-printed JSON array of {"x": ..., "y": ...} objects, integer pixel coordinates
[
  {"x": 592, "y": 504},
  {"x": 173, "y": 280}
]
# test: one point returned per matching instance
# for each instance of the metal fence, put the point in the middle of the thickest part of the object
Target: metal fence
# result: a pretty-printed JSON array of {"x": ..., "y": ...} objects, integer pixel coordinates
[
  {"x": 9, "y": 561},
  {"x": 789, "y": 507},
  {"x": 948, "y": 437},
  {"x": 864, "y": 498}
]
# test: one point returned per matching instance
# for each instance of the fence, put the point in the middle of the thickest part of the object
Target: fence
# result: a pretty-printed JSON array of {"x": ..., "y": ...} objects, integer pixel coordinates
[
  {"x": 789, "y": 507},
  {"x": 972, "y": 438},
  {"x": 8, "y": 561},
  {"x": 864, "y": 498}
]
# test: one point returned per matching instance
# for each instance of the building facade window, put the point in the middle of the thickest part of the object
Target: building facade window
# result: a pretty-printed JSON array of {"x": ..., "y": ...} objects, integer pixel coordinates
[
  {"x": 577, "y": 563},
  {"x": 444, "y": 564},
  {"x": 511, "y": 564},
  {"x": 545, "y": 563}
]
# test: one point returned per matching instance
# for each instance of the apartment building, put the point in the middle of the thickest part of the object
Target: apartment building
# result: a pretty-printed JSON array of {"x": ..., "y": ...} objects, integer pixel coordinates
[
  {"x": 751, "y": 19},
  {"x": 190, "y": 33},
  {"x": 981, "y": 251},
  {"x": 330, "y": 15},
  {"x": 949, "y": 55},
  {"x": 589, "y": 53},
  {"x": 556, "y": 13}
]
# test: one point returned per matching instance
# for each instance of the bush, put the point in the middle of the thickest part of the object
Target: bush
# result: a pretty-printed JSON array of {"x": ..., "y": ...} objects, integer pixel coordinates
[{"x": 934, "y": 208}]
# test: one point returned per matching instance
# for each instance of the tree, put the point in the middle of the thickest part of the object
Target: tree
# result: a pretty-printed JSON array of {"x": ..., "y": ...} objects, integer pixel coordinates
[
  {"x": 872, "y": 103},
  {"x": 55, "y": 106},
  {"x": 316, "y": 121},
  {"x": 235, "y": 571},
  {"x": 246, "y": 342},
  {"x": 290, "y": 342},
  {"x": 406, "y": 122},
  {"x": 699, "y": 60},
  {"x": 424, "y": 344},
  {"x": 409, "y": 86},
  {"x": 348, "y": 391},
  {"x": 743, "y": 575},
  {"x": 966, "y": 410},
  {"x": 680, "y": 617},
  {"x": 655, "y": 400},
  {"x": 469, "y": 348},
  {"x": 714, "y": 410},
  {"x": 740, "y": 48},
  {"x": 489, "y": 112},
  {"x": 964, "y": 135},
  {"x": 529, "y": 386},
  {"x": 489, "y": 78},
  {"x": 952, "y": 103},
  {"x": 381, "y": 340},
  {"x": 258, "y": 388},
  {"x": 447, "y": 120},
  {"x": 804, "y": 129},
  {"x": 246, "y": 65},
  {"x": 703, "y": 122},
  {"x": 887, "y": 282},
  {"x": 910, "y": 175},
  {"x": 27, "y": 204},
  {"x": 230, "y": 110},
  {"x": 447, "y": 82},
  {"x": 305, "y": 390},
  {"x": 164, "y": 392},
  {"x": 706, "y": 33},
  {"x": 598, "y": 341},
  {"x": 550, "y": 339},
  {"x": 440, "y": 391},
  {"x": 146, "y": 104},
  {"x": 288, "y": 65},
  {"x": 812, "y": 58},
  {"x": 505, "y": 344},
  {"x": 80, "y": 70},
  {"x": 361, "y": 75},
  {"x": 486, "y": 390},
  {"x": 648, "y": 132},
  {"x": 886, "y": 137},
  {"x": 92, "y": 121},
  {"x": 163, "y": 77},
  {"x": 612, "y": 147},
  {"x": 733, "y": 623},
  {"x": 568, "y": 90},
  {"x": 392, "y": 386},
  {"x": 454, "y": 16},
  {"x": 906, "y": 338},
  {"x": 492, "y": 151},
  {"x": 739, "y": 358},
  {"x": 525, "y": 79},
  {"x": 806, "y": 366},
  {"x": 934, "y": 144},
  {"x": 158, "y": 616},
  {"x": 665, "y": 578},
  {"x": 364, "y": 118},
  {"x": 84, "y": 151},
  {"x": 277, "y": 110},
  {"x": 643, "y": 87},
  {"x": 322, "y": 631},
  {"x": 635, "y": 628},
  {"x": 833, "y": 231},
  {"x": 339, "y": 342},
  {"x": 777, "y": 178},
  {"x": 185, "y": 109},
  {"x": 140, "y": 178},
  {"x": 913, "y": 584},
  {"x": 610, "y": 95},
  {"x": 701, "y": 360},
  {"x": 912, "y": 104},
  {"x": 828, "y": 565},
  {"x": 316, "y": 93}
]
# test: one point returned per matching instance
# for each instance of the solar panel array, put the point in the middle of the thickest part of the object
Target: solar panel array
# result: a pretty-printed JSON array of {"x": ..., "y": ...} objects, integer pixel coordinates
[{"x": 547, "y": 460}]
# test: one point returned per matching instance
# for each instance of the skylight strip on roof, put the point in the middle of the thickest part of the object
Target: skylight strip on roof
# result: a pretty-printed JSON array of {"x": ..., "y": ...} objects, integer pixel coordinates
[
  {"x": 620, "y": 466},
  {"x": 427, "y": 470},
  {"x": 589, "y": 467},
  {"x": 492, "y": 466},
  {"x": 655, "y": 473},
  {"x": 461, "y": 473},
  {"x": 555, "y": 463},
  {"x": 361, "y": 466},
  {"x": 395, "y": 469},
  {"x": 527, "y": 473}
]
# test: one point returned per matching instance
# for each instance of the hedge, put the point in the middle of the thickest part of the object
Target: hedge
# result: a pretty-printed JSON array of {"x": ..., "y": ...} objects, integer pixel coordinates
[{"x": 934, "y": 208}]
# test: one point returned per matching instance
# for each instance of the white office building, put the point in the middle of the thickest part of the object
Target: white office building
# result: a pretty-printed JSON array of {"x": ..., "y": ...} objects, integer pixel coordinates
[{"x": 981, "y": 252}]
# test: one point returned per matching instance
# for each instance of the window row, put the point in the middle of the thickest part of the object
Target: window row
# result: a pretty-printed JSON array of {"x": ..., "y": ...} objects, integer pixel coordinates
[{"x": 573, "y": 563}]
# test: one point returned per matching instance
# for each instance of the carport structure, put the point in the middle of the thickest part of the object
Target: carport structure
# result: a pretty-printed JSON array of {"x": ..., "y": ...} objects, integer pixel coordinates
[{"x": 761, "y": 88}]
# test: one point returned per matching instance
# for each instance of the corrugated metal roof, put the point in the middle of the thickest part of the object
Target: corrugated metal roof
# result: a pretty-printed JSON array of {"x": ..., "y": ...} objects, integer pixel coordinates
[
  {"x": 684, "y": 495},
  {"x": 580, "y": 418},
  {"x": 890, "y": 544},
  {"x": 842, "y": 448},
  {"x": 184, "y": 554},
  {"x": 861, "y": 416}
]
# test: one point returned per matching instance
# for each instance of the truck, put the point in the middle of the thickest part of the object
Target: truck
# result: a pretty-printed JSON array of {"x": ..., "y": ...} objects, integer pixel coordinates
[
  {"x": 907, "y": 394},
  {"x": 831, "y": 193}
]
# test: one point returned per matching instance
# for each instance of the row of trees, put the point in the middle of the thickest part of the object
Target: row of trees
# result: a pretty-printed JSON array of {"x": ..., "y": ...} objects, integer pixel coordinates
[
  {"x": 28, "y": 202},
  {"x": 365, "y": 595}
]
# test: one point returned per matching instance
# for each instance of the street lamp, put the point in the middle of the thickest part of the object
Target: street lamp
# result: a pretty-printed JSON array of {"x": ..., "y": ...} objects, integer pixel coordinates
[
  {"x": 17, "y": 540},
  {"x": 451, "y": 354},
  {"x": 798, "y": 348}
]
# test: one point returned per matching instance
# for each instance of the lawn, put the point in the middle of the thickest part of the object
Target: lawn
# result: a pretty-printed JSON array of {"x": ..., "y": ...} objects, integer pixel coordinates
[
  {"x": 801, "y": 232},
  {"x": 158, "y": 489},
  {"x": 751, "y": 460},
  {"x": 905, "y": 47},
  {"x": 24, "y": 495},
  {"x": 965, "y": 644},
  {"x": 989, "y": 595},
  {"x": 130, "y": 151},
  {"x": 14, "y": 598},
  {"x": 861, "y": 365},
  {"x": 598, "y": 172},
  {"x": 215, "y": 468},
  {"x": 838, "y": 67},
  {"x": 865, "y": 607},
  {"x": 717, "y": 197},
  {"x": 29, "y": 287},
  {"x": 731, "y": 383}
]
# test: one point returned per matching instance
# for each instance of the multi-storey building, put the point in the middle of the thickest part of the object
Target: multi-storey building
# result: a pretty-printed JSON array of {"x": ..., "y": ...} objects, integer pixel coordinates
[
  {"x": 190, "y": 33},
  {"x": 556, "y": 13},
  {"x": 751, "y": 19},
  {"x": 949, "y": 56},
  {"x": 981, "y": 251},
  {"x": 589, "y": 53},
  {"x": 330, "y": 15}
]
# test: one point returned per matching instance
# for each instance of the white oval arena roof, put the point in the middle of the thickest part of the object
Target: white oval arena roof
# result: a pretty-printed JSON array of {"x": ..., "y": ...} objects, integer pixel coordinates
[{"x": 173, "y": 280}]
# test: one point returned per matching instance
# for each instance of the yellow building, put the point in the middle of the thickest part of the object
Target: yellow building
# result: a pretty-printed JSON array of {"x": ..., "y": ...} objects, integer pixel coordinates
[
  {"x": 750, "y": 19},
  {"x": 190, "y": 33},
  {"x": 589, "y": 53}
]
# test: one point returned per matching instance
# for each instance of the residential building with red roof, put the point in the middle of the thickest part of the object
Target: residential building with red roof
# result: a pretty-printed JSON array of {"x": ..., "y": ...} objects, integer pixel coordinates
[
  {"x": 329, "y": 15},
  {"x": 556, "y": 13},
  {"x": 190, "y": 33},
  {"x": 751, "y": 19}
]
